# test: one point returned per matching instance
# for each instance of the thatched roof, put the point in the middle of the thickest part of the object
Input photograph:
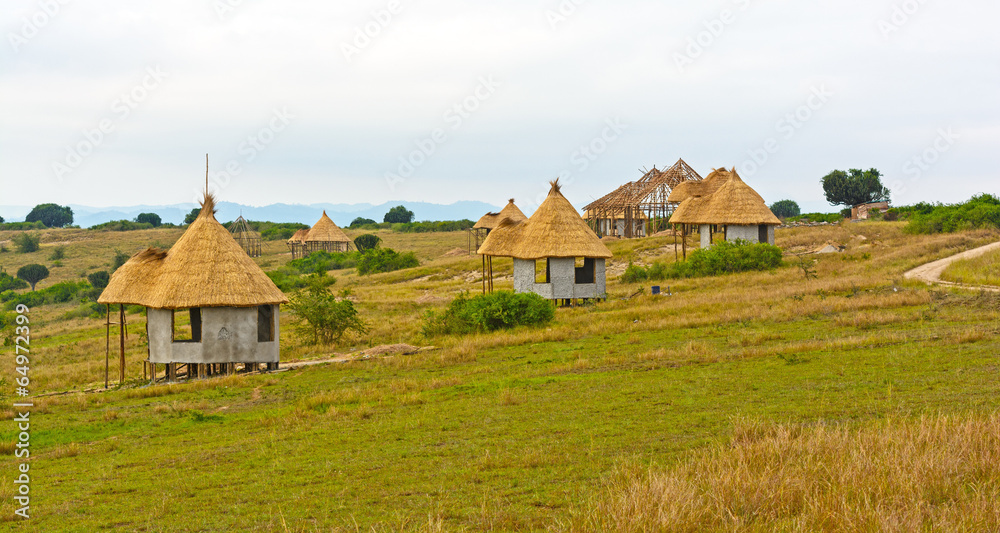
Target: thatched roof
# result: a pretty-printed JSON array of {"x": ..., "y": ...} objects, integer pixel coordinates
[
  {"x": 326, "y": 231},
  {"x": 204, "y": 268},
  {"x": 734, "y": 203},
  {"x": 555, "y": 229},
  {"x": 299, "y": 237},
  {"x": 716, "y": 179},
  {"x": 644, "y": 193},
  {"x": 491, "y": 220}
]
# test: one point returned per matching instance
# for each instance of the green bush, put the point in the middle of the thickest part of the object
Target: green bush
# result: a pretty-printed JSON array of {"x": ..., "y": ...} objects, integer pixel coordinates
[
  {"x": 27, "y": 242},
  {"x": 59, "y": 252},
  {"x": 981, "y": 211},
  {"x": 721, "y": 258},
  {"x": 121, "y": 225},
  {"x": 634, "y": 274},
  {"x": 10, "y": 283},
  {"x": 832, "y": 218},
  {"x": 366, "y": 242},
  {"x": 99, "y": 279},
  {"x": 323, "y": 317},
  {"x": 322, "y": 261},
  {"x": 385, "y": 260},
  {"x": 361, "y": 221},
  {"x": 118, "y": 260},
  {"x": 489, "y": 312},
  {"x": 65, "y": 291},
  {"x": 21, "y": 226}
]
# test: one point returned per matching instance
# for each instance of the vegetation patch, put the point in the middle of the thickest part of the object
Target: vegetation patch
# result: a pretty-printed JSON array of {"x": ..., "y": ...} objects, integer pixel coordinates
[
  {"x": 722, "y": 258},
  {"x": 982, "y": 211},
  {"x": 489, "y": 312}
]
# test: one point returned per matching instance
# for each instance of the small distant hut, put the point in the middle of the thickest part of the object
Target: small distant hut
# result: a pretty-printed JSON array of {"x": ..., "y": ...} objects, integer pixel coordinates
[
  {"x": 864, "y": 211},
  {"x": 489, "y": 221},
  {"x": 642, "y": 207},
  {"x": 231, "y": 305},
  {"x": 556, "y": 255},
  {"x": 248, "y": 239},
  {"x": 729, "y": 203},
  {"x": 327, "y": 236},
  {"x": 297, "y": 243}
]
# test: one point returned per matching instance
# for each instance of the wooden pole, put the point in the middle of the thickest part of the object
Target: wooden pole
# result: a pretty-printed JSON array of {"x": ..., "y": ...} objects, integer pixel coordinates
[
  {"x": 107, "y": 345},
  {"x": 676, "y": 258},
  {"x": 121, "y": 338},
  {"x": 684, "y": 241},
  {"x": 484, "y": 274}
]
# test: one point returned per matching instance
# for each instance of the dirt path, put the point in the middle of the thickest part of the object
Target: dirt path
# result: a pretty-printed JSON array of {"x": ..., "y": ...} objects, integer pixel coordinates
[{"x": 931, "y": 272}]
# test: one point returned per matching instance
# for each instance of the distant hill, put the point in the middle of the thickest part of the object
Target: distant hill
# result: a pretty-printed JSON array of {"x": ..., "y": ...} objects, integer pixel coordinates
[{"x": 342, "y": 214}]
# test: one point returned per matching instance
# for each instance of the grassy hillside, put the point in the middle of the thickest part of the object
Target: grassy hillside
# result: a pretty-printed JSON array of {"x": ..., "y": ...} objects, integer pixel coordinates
[
  {"x": 982, "y": 270},
  {"x": 520, "y": 430}
]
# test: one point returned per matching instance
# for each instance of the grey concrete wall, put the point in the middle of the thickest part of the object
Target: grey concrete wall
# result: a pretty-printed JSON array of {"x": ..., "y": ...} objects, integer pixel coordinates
[
  {"x": 562, "y": 277},
  {"x": 706, "y": 235},
  {"x": 770, "y": 234},
  {"x": 747, "y": 233},
  {"x": 229, "y": 335}
]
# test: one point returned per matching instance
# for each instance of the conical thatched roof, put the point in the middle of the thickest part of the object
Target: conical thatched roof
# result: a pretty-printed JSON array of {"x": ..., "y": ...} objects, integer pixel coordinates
[
  {"x": 706, "y": 187},
  {"x": 734, "y": 203},
  {"x": 555, "y": 229},
  {"x": 204, "y": 268},
  {"x": 491, "y": 220},
  {"x": 326, "y": 231},
  {"x": 299, "y": 237}
]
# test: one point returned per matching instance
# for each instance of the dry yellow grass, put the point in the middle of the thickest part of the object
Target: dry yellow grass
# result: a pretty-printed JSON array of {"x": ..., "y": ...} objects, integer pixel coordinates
[
  {"x": 935, "y": 473},
  {"x": 982, "y": 270}
]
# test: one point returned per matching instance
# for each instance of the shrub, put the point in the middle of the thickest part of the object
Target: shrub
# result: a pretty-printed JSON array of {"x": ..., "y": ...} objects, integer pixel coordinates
[
  {"x": 634, "y": 274},
  {"x": 721, "y": 258},
  {"x": 27, "y": 242},
  {"x": 385, "y": 260},
  {"x": 322, "y": 261},
  {"x": 99, "y": 279},
  {"x": 59, "y": 252},
  {"x": 33, "y": 273},
  {"x": 118, "y": 260},
  {"x": 324, "y": 317},
  {"x": 489, "y": 312},
  {"x": 121, "y": 225},
  {"x": 21, "y": 226},
  {"x": 366, "y": 242},
  {"x": 981, "y": 211},
  {"x": 10, "y": 283},
  {"x": 65, "y": 291}
]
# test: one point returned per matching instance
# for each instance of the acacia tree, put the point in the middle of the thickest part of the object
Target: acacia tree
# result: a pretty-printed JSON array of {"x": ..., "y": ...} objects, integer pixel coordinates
[
  {"x": 33, "y": 273},
  {"x": 366, "y": 242},
  {"x": 189, "y": 218},
  {"x": 52, "y": 215},
  {"x": 785, "y": 208},
  {"x": 854, "y": 187}
]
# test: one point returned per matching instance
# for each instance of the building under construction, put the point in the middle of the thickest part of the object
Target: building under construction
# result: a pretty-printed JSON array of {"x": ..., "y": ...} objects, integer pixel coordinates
[{"x": 639, "y": 208}]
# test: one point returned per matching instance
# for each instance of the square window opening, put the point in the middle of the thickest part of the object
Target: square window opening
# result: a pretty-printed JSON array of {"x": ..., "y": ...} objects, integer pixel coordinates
[
  {"x": 186, "y": 327},
  {"x": 265, "y": 323},
  {"x": 541, "y": 270},
  {"x": 585, "y": 273}
]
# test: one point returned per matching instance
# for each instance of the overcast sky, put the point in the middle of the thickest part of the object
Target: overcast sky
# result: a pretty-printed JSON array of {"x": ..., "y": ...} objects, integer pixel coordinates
[{"x": 116, "y": 103}]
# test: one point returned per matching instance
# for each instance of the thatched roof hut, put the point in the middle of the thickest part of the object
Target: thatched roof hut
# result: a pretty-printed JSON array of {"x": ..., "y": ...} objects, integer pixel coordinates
[
  {"x": 204, "y": 268},
  {"x": 299, "y": 237},
  {"x": 324, "y": 230},
  {"x": 716, "y": 179},
  {"x": 555, "y": 229},
  {"x": 491, "y": 220},
  {"x": 734, "y": 203},
  {"x": 556, "y": 234}
]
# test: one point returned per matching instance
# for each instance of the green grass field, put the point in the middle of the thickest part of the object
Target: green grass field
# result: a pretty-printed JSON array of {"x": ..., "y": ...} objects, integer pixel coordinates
[{"x": 529, "y": 429}]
